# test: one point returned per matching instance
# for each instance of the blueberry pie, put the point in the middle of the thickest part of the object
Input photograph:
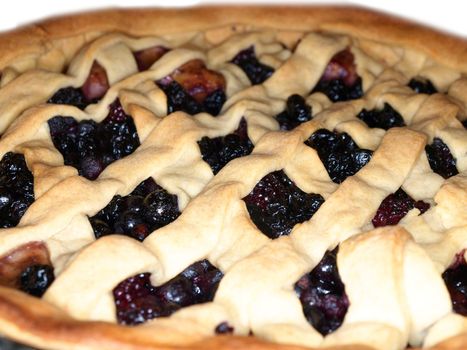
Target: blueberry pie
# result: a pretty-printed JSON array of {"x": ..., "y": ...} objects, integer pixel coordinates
[{"x": 233, "y": 178}]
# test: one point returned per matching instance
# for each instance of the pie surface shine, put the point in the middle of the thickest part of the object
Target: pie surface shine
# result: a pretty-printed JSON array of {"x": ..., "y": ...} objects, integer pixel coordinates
[{"x": 260, "y": 178}]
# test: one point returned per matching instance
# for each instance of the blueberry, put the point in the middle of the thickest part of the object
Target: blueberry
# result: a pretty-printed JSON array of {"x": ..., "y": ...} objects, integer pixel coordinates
[
  {"x": 256, "y": 71},
  {"x": 218, "y": 151},
  {"x": 100, "y": 228},
  {"x": 395, "y": 206},
  {"x": 128, "y": 221},
  {"x": 16, "y": 189},
  {"x": 137, "y": 300},
  {"x": 276, "y": 204},
  {"x": 336, "y": 90},
  {"x": 35, "y": 279},
  {"x": 322, "y": 295},
  {"x": 340, "y": 81},
  {"x": 441, "y": 159},
  {"x": 179, "y": 100},
  {"x": 89, "y": 146},
  {"x": 136, "y": 215},
  {"x": 70, "y": 96},
  {"x": 339, "y": 153},
  {"x": 296, "y": 113},
  {"x": 385, "y": 118},
  {"x": 422, "y": 86},
  {"x": 455, "y": 278}
]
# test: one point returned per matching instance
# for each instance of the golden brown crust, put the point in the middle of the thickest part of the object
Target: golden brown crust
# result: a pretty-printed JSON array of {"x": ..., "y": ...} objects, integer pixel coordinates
[
  {"x": 355, "y": 21},
  {"x": 40, "y": 324}
]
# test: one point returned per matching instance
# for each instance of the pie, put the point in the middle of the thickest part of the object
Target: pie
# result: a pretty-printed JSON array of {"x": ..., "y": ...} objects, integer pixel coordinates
[{"x": 233, "y": 177}]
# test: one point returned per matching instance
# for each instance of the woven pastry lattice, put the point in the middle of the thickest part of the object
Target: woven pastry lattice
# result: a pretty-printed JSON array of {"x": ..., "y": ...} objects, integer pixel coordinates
[{"x": 392, "y": 275}]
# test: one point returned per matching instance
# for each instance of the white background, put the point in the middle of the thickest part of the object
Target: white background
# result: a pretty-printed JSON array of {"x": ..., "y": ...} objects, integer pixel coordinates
[{"x": 449, "y": 15}]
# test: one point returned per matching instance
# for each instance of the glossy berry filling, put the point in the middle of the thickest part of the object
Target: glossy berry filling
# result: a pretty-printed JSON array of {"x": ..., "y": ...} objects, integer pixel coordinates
[
  {"x": 147, "y": 57},
  {"x": 71, "y": 96},
  {"x": 441, "y": 159},
  {"x": 35, "y": 279},
  {"x": 297, "y": 111},
  {"x": 137, "y": 300},
  {"x": 323, "y": 296},
  {"x": 422, "y": 86},
  {"x": 89, "y": 146},
  {"x": 276, "y": 204},
  {"x": 95, "y": 86},
  {"x": 385, "y": 118},
  {"x": 340, "y": 155},
  {"x": 193, "y": 88},
  {"x": 136, "y": 215},
  {"x": 256, "y": 71},
  {"x": 217, "y": 152},
  {"x": 16, "y": 189},
  {"x": 455, "y": 278},
  {"x": 395, "y": 206},
  {"x": 340, "y": 81}
]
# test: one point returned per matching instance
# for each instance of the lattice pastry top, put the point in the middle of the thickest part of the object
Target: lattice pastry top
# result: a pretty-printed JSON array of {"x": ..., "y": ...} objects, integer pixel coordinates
[{"x": 296, "y": 178}]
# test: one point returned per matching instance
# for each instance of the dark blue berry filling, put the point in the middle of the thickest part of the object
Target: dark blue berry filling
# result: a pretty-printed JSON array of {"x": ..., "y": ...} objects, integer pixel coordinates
[
  {"x": 464, "y": 123},
  {"x": 422, "y": 86},
  {"x": 323, "y": 296},
  {"x": 137, "y": 300},
  {"x": 180, "y": 100},
  {"x": 297, "y": 111},
  {"x": 256, "y": 71},
  {"x": 16, "y": 189},
  {"x": 340, "y": 155},
  {"x": 276, "y": 204},
  {"x": 336, "y": 90},
  {"x": 395, "y": 206},
  {"x": 35, "y": 279},
  {"x": 385, "y": 118},
  {"x": 217, "y": 152},
  {"x": 89, "y": 146},
  {"x": 455, "y": 278},
  {"x": 340, "y": 81},
  {"x": 441, "y": 159},
  {"x": 136, "y": 215},
  {"x": 193, "y": 88},
  {"x": 71, "y": 96}
]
